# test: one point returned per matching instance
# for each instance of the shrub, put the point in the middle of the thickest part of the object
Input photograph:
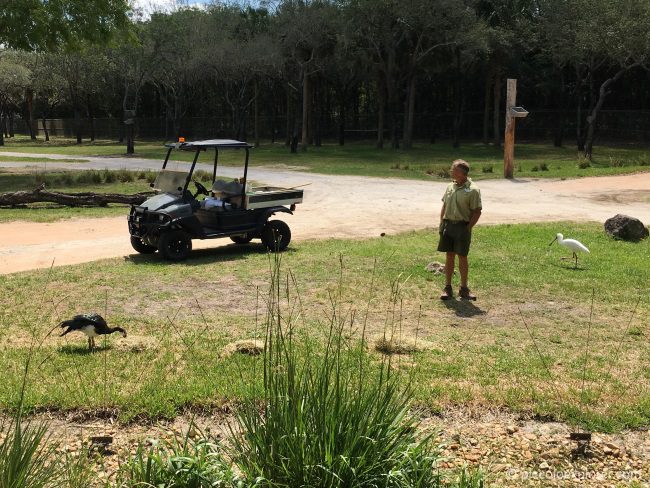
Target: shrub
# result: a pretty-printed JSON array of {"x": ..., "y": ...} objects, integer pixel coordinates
[
  {"x": 584, "y": 164},
  {"x": 177, "y": 463},
  {"x": 109, "y": 176},
  {"x": 67, "y": 178},
  {"x": 125, "y": 176},
  {"x": 534, "y": 168},
  {"x": 543, "y": 167},
  {"x": 25, "y": 460},
  {"x": 203, "y": 175},
  {"x": 326, "y": 419},
  {"x": 488, "y": 168}
]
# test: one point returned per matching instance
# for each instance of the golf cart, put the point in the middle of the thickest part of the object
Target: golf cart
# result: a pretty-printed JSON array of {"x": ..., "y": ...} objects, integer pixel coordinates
[{"x": 168, "y": 221}]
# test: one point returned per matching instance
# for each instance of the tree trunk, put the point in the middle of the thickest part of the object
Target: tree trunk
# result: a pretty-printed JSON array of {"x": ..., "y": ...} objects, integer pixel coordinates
[
  {"x": 304, "y": 142},
  {"x": 591, "y": 119},
  {"x": 290, "y": 120},
  {"x": 342, "y": 105},
  {"x": 130, "y": 143},
  {"x": 458, "y": 105},
  {"x": 70, "y": 199},
  {"x": 29, "y": 99},
  {"x": 11, "y": 124},
  {"x": 45, "y": 131},
  {"x": 381, "y": 111},
  {"x": 409, "y": 119},
  {"x": 561, "y": 113},
  {"x": 256, "y": 115},
  {"x": 3, "y": 129},
  {"x": 496, "y": 107},
  {"x": 486, "y": 106},
  {"x": 316, "y": 114},
  {"x": 77, "y": 124},
  {"x": 580, "y": 140}
]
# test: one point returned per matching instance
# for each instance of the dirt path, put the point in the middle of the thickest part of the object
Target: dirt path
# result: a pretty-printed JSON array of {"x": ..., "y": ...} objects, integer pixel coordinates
[{"x": 338, "y": 206}]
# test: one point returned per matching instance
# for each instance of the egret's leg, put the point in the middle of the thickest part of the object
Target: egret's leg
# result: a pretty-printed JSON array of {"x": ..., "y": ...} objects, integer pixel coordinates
[{"x": 575, "y": 256}]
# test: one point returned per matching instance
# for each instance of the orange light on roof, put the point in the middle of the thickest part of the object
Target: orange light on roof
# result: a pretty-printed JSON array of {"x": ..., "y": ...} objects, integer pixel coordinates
[{"x": 181, "y": 139}]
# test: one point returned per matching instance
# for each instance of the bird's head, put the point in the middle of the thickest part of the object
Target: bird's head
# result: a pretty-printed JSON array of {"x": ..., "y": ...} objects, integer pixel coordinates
[
  {"x": 123, "y": 333},
  {"x": 557, "y": 237}
]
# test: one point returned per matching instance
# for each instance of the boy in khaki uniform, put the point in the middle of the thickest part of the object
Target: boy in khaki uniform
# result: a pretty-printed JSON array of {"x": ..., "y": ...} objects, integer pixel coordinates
[{"x": 461, "y": 209}]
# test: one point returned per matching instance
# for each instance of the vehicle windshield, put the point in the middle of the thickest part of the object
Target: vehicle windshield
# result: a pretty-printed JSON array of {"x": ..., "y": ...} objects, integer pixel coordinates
[{"x": 170, "y": 181}]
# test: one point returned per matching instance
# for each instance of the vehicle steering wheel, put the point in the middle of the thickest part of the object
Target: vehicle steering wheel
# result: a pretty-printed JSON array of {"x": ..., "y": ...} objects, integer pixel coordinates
[{"x": 200, "y": 189}]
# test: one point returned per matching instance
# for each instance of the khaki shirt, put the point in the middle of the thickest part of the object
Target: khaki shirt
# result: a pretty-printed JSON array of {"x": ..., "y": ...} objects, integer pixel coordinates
[{"x": 461, "y": 201}]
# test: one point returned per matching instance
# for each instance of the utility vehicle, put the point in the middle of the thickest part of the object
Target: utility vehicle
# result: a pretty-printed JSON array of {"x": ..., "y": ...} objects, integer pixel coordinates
[{"x": 169, "y": 221}]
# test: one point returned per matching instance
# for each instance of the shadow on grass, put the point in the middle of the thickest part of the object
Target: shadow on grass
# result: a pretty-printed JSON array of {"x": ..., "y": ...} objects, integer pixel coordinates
[
  {"x": 200, "y": 257},
  {"x": 463, "y": 308},
  {"x": 82, "y": 350}
]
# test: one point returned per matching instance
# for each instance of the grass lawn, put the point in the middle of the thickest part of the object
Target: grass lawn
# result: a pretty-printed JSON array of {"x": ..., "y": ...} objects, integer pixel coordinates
[
  {"x": 36, "y": 159},
  {"x": 532, "y": 343},
  {"x": 424, "y": 161}
]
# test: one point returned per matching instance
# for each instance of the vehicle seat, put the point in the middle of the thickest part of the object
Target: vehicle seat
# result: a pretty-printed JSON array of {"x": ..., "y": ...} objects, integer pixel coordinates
[{"x": 224, "y": 189}]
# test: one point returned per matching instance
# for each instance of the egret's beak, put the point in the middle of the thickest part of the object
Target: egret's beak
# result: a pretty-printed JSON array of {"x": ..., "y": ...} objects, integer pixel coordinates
[{"x": 553, "y": 240}]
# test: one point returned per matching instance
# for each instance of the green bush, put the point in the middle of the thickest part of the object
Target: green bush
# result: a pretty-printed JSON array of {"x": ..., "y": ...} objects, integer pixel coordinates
[
  {"x": 543, "y": 167},
  {"x": 25, "y": 459},
  {"x": 534, "y": 168},
  {"x": 177, "y": 463},
  {"x": 125, "y": 176},
  {"x": 202, "y": 175},
  {"x": 325, "y": 419},
  {"x": 109, "y": 176},
  {"x": 488, "y": 168}
]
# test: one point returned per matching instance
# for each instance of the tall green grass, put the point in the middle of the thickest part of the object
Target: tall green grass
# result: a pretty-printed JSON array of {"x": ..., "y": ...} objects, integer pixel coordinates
[{"x": 324, "y": 418}]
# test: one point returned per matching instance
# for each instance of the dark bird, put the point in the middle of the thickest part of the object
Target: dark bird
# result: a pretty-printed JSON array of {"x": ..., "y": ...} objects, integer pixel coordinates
[{"x": 92, "y": 325}]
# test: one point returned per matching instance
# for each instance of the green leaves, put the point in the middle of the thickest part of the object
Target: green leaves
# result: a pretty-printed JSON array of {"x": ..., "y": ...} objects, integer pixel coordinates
[{"x": 45, "y": 25}]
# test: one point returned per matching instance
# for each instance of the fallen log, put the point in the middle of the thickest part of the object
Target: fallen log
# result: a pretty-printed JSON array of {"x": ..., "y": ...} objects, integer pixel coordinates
[{"x": 87, "y": 199}]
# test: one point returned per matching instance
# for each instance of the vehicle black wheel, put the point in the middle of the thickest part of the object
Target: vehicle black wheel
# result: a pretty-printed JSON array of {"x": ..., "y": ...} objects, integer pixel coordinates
[
  {"x": 141, "y": 247},
  {"x": 242, "y": 239},
  {"x": 175, "y": 245},
  {"x": 276, "y": 235}
]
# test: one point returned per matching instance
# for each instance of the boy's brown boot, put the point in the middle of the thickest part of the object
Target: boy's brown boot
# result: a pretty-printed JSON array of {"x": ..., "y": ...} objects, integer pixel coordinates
[
  {"x": 447, "y": 293},
  {"x": 465, "y": 293}
]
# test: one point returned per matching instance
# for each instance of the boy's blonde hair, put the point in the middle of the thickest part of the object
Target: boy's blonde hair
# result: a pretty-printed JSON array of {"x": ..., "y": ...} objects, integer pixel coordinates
[{"x": 462, "y": 164}]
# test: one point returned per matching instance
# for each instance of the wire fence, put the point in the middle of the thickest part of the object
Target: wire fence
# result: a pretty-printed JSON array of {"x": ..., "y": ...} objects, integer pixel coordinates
[{"x": 540, "y": 125}]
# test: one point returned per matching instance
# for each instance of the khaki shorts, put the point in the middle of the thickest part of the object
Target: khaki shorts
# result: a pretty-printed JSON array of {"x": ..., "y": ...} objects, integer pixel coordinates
[{"x": 455, "y": 237}]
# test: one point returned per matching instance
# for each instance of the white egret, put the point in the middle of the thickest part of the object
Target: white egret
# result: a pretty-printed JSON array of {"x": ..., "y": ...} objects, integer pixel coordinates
[{"x": 572, "y": 244}]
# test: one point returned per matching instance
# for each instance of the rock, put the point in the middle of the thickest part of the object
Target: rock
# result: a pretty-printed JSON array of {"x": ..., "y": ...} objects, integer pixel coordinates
[
  {"x": 544, "y": 465},
  {"x": 511, "y": 429},
  {"x": 252, "y": 347},
  {"x": 435, "y": 267},
  {"x": 626, "y": 228}
]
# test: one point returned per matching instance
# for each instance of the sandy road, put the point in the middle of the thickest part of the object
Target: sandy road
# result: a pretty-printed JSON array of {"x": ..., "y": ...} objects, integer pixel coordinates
[{"x": 335, "y": 206}]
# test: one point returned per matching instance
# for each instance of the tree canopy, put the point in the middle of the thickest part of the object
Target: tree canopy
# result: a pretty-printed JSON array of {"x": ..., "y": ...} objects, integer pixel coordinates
[
  {"x": 50, "y": 24},
  {"x": 400, "y": 69}
]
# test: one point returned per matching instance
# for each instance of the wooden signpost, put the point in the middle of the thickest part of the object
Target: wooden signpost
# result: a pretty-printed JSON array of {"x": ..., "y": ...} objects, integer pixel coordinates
[{"x": 512, "y": 113}]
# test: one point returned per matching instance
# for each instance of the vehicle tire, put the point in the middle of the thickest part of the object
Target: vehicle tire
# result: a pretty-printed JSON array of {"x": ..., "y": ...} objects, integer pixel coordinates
[
  {"x": 141, "y": 247},
  {"x": 242, "y": 239},
  {"x": 175, "y": 245},
  {"x": 276, "y": 235}
]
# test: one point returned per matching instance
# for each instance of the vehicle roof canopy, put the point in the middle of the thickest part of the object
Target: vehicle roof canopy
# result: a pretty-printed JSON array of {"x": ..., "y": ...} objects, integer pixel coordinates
[{"x": 209, "y": 143}]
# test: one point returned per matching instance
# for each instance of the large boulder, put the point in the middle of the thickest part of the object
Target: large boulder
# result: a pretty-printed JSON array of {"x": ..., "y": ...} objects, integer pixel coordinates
[{"x": 626, "y": 228}]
